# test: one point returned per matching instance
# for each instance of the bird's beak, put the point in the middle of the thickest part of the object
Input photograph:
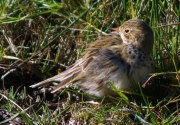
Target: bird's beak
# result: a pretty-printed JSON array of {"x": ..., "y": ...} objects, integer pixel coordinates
[{"x": 116, "y": 30}]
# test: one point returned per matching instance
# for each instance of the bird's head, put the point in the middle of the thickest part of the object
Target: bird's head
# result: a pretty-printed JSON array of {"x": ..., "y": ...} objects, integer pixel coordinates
[{"x": 137, "y": 33}]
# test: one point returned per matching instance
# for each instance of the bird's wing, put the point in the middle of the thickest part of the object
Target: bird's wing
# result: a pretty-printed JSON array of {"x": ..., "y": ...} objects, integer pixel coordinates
[{"x": 77, "y": 71}]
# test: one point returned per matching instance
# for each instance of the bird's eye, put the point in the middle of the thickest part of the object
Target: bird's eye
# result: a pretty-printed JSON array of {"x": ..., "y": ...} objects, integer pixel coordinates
[{"x": 126, "y": 31}]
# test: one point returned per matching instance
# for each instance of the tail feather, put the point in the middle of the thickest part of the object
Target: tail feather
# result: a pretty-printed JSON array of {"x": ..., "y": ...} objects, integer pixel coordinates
[
  {"x": 66, "y": 81},
  {"x": 45, "y": 82},
  {"x": 64, "y": 78}
]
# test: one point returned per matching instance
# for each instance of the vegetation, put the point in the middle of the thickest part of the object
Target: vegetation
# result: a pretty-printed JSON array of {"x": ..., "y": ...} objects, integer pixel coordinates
[{"x": 39, "y": 39}]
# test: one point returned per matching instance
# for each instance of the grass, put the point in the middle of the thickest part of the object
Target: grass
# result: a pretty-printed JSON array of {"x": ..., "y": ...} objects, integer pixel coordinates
[{"x": 39, "y": 39}]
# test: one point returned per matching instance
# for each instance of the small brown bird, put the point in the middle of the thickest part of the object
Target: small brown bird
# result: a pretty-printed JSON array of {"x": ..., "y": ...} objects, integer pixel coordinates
[{"x": 122, "y": 57}]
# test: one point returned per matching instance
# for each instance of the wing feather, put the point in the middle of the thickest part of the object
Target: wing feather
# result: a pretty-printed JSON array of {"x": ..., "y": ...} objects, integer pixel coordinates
[{"x": 79, "y": 69}]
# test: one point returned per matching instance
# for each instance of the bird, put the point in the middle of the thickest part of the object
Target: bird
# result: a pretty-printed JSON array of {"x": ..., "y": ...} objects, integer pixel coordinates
[{"x": 122, "y": 57}]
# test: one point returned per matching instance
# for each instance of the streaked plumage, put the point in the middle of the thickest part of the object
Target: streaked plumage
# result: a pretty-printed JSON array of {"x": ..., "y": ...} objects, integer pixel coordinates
[{"x": 122, "y": 57}]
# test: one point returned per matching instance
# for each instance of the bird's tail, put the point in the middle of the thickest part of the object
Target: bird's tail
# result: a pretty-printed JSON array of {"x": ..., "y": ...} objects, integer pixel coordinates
[{"x": 64, "y": 78}]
